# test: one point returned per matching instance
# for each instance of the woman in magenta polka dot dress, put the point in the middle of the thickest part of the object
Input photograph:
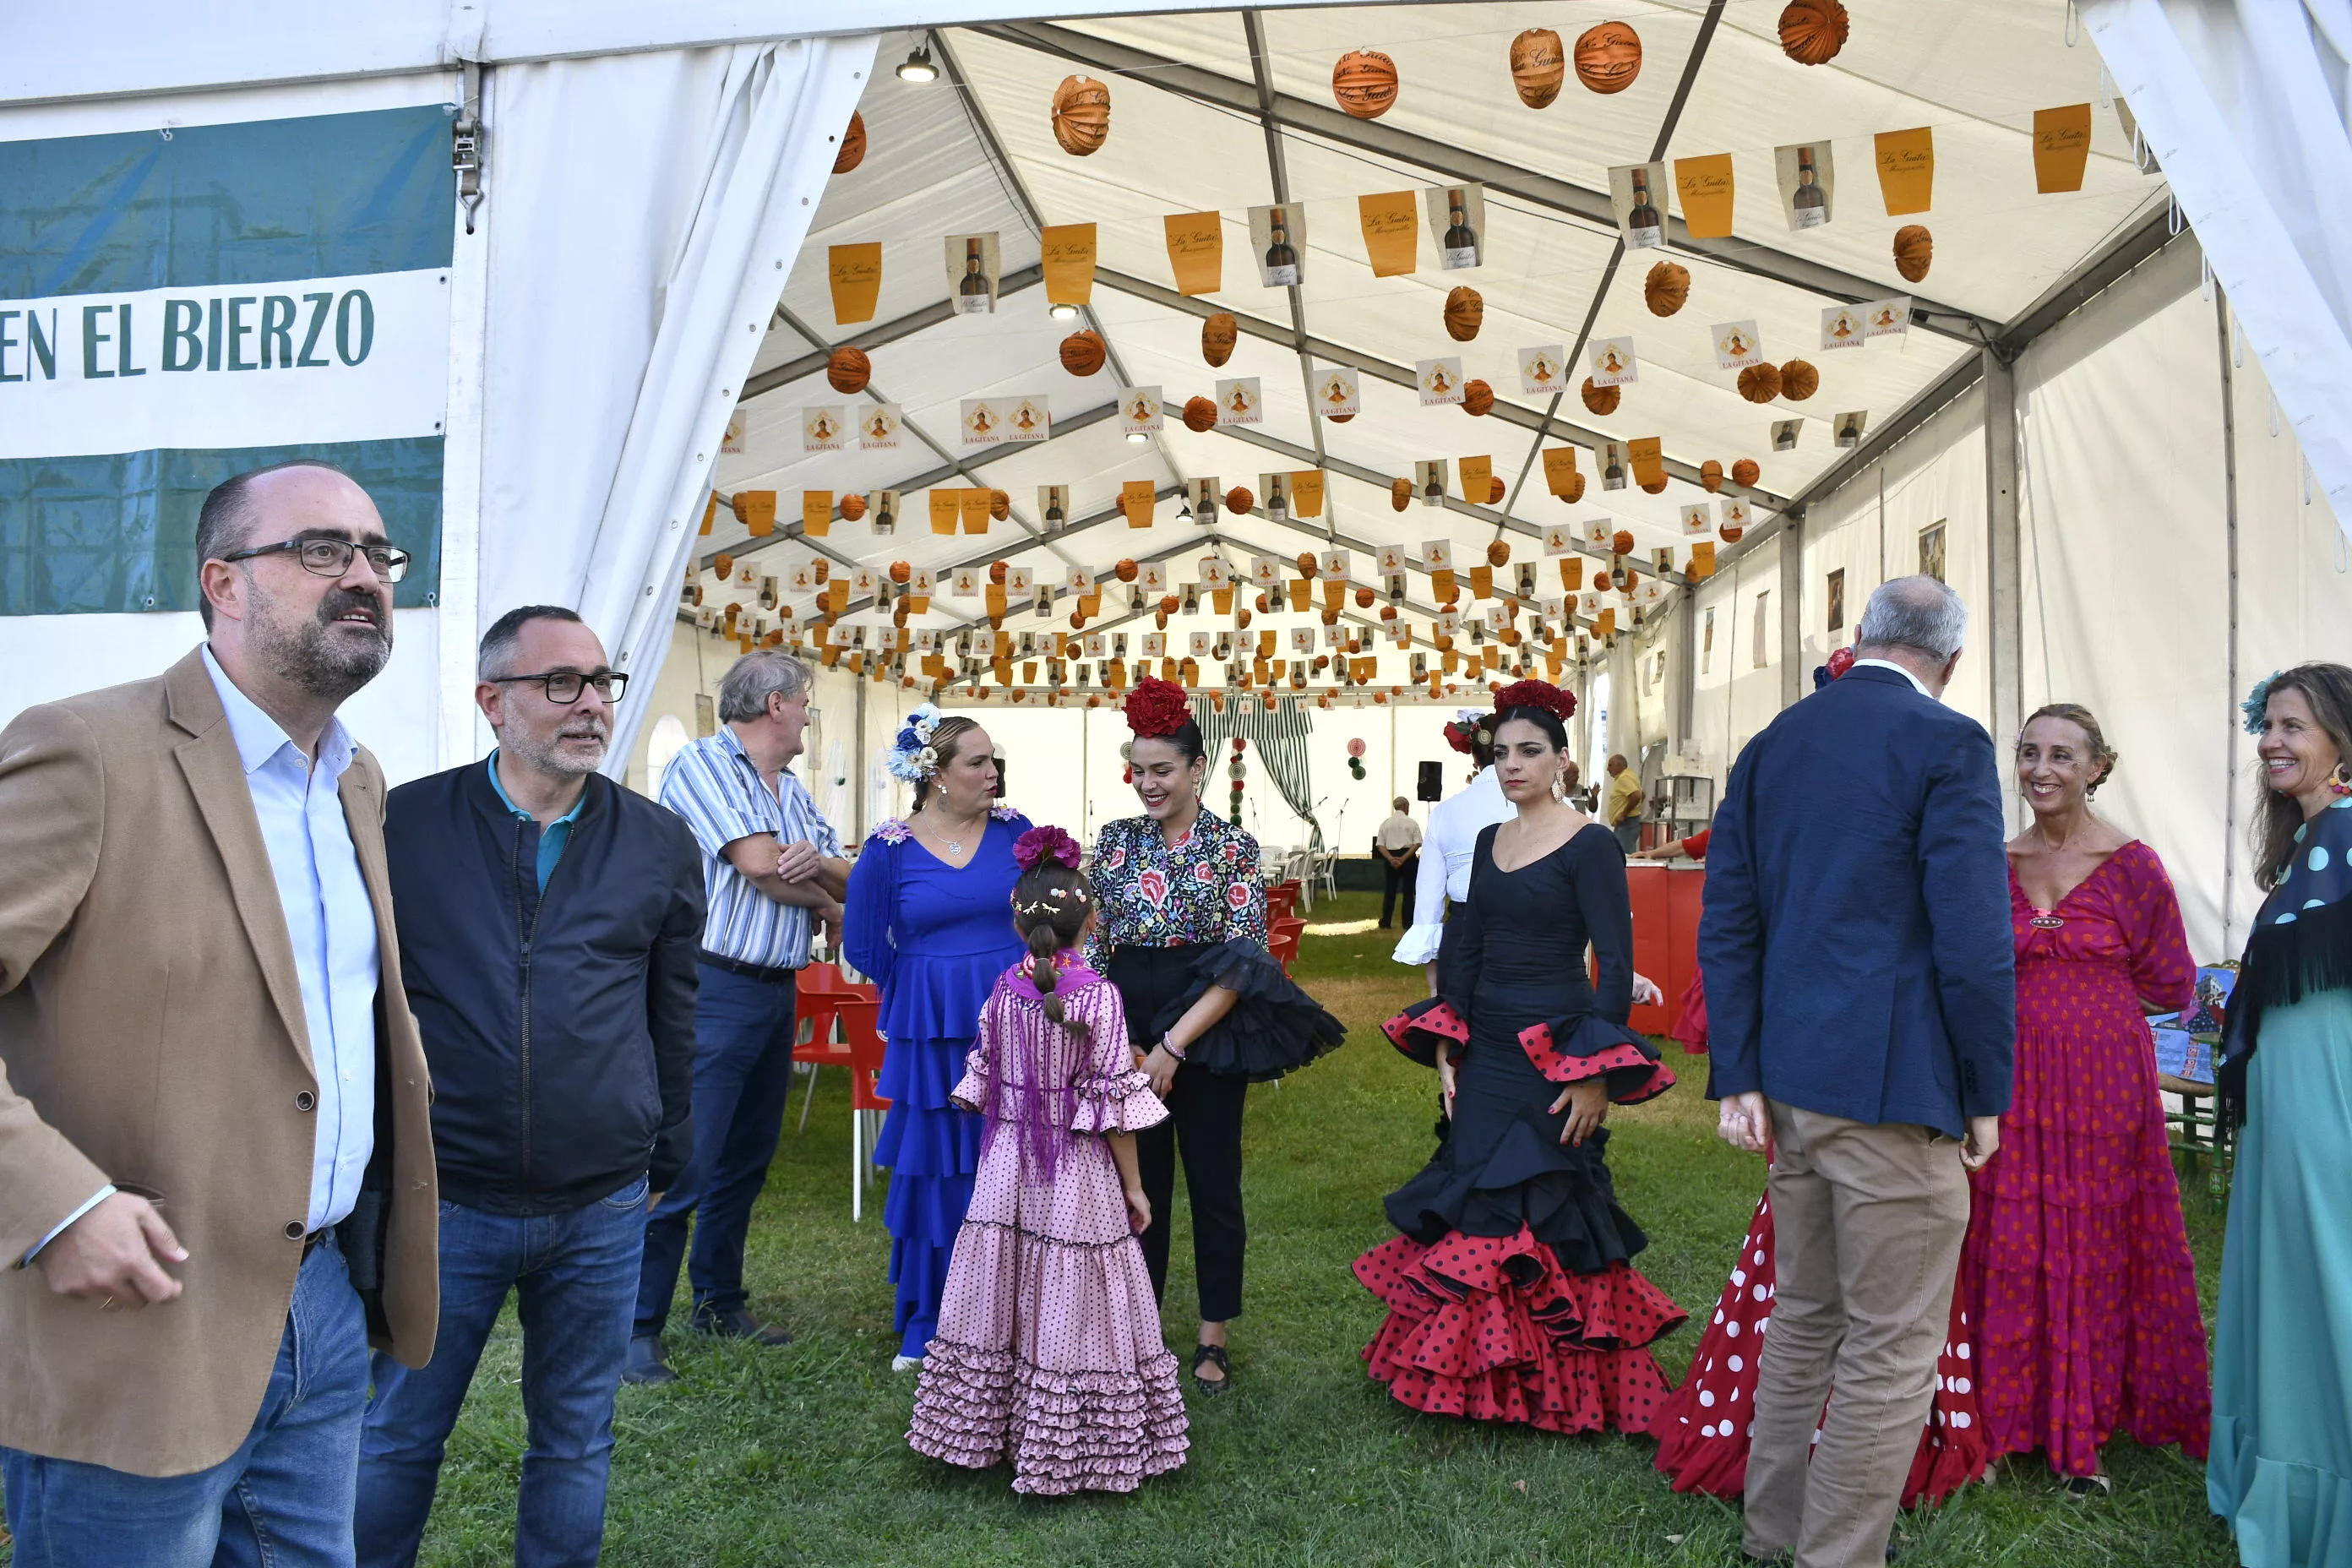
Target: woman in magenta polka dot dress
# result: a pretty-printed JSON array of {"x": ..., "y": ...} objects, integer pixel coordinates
[
  {"x": 1048, "y": 1352},
  {"x": 1511, "y": 1292}
]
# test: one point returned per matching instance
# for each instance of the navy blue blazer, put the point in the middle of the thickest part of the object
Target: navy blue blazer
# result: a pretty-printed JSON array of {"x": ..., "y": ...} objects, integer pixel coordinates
[{"x": 1855, "y": 943}]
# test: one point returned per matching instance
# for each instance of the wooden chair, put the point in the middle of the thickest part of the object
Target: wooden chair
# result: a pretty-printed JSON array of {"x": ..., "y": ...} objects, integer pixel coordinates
[{"x": 2198, "y": 1137}]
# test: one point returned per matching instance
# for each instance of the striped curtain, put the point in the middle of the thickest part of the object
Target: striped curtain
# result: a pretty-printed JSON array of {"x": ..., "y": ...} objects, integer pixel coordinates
[{"x": 1276, "y": 741}]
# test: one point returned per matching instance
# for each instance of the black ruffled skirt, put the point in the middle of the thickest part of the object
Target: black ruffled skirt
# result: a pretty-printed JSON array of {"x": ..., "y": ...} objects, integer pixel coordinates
[{"x": 1273, "y": 1028}]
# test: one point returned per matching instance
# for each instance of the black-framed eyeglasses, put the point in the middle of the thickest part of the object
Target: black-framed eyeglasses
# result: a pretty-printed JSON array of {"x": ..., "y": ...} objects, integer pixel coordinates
[
  {"x": 333, "y": 557},
  {"x": 563, "y": 687}
]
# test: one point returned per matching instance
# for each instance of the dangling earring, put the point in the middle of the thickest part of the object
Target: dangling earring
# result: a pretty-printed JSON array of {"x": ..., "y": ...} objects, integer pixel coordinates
[
  {"x": 2340, "y": 780},
  {"x": 1559, "y": 788}
]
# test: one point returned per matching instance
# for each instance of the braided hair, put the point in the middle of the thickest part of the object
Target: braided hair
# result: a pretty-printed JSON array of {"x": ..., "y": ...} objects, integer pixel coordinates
[{"x": 1050, "y": 906}]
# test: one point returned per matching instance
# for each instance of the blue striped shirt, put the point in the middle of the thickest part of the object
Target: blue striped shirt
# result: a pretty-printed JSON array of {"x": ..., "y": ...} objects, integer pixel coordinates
[{"x": 716, "y": 788}]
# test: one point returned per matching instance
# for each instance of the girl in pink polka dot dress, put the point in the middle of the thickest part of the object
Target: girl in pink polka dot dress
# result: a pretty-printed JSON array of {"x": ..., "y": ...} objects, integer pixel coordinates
[{"x": 1049, "y": 1351}]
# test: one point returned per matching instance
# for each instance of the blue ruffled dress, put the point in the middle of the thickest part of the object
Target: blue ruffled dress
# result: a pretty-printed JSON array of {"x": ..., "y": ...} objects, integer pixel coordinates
[{"x": 934, "y": 938}]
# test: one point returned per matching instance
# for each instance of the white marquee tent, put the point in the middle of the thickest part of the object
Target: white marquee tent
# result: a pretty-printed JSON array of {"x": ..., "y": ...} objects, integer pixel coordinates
[{"x": 2114, "y": 417}]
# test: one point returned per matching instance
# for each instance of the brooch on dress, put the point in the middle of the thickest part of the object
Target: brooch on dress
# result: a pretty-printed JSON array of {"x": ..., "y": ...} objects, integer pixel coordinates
[{"x": 2047, "y": 922}]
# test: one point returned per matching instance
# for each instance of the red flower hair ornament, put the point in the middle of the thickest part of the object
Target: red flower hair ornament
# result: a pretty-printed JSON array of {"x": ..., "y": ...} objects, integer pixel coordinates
[
  {"x": 1157, "y": 708},
  {"x": 1543, "y": 694},
  {"x": 1039, "y": 845}
]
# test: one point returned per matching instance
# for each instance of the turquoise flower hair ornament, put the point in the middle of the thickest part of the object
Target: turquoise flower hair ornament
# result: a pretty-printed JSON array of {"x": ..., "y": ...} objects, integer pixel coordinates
[
  {"x": 911, "y": 755},
  {"x": 2257, "y": 705}
]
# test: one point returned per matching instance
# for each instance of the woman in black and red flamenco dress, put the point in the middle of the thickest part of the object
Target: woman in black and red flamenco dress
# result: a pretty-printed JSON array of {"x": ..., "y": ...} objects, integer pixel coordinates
[{"x": 1511, "y": 1295}]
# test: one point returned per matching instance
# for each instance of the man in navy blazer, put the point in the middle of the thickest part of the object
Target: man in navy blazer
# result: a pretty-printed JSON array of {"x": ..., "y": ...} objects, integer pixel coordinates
[{"x": 1861, "y": 1007}]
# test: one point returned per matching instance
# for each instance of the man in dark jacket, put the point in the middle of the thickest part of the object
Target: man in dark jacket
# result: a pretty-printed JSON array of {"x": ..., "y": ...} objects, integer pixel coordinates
[
  {"x": 549, "y": 923},
  {"x": 1861, "y": 1004}
]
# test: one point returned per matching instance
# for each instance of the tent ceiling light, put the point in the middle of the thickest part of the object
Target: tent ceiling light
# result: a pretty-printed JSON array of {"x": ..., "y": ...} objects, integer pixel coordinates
[
  {"x": 917, "y": 66},
  {"x": 1064, "y": 312},
  {"x": 1138, "y": 437}
]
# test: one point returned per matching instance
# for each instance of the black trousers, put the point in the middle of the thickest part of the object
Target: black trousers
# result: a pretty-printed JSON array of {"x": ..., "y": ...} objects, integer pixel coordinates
[
  {"x": 1205, "y": 1125},
  {"x": 1394, "y": 879}
]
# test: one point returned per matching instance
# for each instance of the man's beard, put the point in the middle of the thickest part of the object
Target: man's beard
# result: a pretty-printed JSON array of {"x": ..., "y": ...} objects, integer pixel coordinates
[
  {"x": 312, "y": 653},
  {"x": 548, "y": 756}
]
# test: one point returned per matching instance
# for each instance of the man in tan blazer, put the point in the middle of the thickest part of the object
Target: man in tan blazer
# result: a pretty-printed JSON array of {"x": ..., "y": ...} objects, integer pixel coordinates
[{"x": 216, "y": 1180}]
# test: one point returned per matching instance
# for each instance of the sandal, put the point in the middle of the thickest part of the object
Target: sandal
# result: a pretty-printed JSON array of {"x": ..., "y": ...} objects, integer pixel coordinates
[
  {"x": 2090, "y": 1486},
  {"x": 1204, "y": 1354}
]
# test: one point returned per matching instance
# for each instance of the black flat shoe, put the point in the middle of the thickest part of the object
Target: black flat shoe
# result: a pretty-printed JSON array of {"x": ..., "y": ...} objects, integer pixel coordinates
[
  {"x": 1203, "y": 1355},
  {"x": 647, "y": 1362},
  {"x": 738, "y": 1323}
]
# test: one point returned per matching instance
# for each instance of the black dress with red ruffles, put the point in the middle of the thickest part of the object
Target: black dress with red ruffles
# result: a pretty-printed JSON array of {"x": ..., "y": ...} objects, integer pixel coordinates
[{"x": 1511, "y": 1292}]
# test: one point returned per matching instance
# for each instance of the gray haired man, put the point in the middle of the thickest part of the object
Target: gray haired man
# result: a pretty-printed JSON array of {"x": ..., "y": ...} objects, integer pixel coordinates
[{"x": 773, "y": 869}]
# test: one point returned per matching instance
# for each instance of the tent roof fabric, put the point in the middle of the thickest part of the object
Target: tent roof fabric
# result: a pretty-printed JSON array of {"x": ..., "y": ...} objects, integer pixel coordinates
[{"x": 1209, "y": 111}]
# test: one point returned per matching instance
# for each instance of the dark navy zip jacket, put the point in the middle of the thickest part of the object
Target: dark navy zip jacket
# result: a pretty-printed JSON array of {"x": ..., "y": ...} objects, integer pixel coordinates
[{"x": 559, "y": 1027}]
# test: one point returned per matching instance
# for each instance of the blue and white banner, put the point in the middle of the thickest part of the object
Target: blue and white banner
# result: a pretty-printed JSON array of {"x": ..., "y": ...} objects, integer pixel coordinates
[{"x": 177, "y": 306}]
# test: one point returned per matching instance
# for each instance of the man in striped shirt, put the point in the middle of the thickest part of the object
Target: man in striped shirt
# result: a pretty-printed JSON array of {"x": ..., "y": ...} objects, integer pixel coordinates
[{"x": 773, "y": 870}]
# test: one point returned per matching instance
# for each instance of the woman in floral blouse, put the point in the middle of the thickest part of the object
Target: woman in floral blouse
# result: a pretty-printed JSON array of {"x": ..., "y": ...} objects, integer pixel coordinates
[{"x": 1182, "y": 934}]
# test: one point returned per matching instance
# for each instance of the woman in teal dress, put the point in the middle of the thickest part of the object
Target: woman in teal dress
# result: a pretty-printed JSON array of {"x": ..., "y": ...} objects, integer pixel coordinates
[{"x": 2280, "y": 1470}]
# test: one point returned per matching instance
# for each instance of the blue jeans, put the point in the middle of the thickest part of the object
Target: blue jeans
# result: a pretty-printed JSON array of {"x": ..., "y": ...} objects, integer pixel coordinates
[
  {"x": 742, "y": 1071},
  {"x": 576, "y": 1274},
  {"x": 284, "y": 1497}
]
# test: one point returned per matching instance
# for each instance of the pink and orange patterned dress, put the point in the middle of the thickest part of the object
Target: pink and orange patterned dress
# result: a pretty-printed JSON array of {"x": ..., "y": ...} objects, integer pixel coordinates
[
  {"x": 1048, "y": 1352},
  {"x": 2085, "y": 1304}
]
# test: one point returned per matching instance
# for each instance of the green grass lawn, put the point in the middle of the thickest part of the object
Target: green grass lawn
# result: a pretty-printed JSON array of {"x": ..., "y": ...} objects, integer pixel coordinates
[{"x": 799, "y": 1455}]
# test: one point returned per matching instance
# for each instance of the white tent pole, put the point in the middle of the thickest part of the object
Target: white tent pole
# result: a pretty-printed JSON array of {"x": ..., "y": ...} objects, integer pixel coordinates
[
  {"x": 1792, "y": 610},
  {"x": 1683, "y": 692},
  {"x": 457, "y": 622},
  {"x": 2222, "y": 315},
  {"x": 2004, "y": 564}
]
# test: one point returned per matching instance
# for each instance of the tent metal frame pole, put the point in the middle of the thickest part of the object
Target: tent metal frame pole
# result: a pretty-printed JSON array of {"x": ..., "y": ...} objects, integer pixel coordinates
[
  {"x": 1459, "y": 165},
  {"x": 1683, "y": 695},
  {"x": 1278, "y": 171},
  {"x": 2222, "y": 330},
  {"x": 1792, "y": 611},
  {"x": 2004, "y": 560},
  {"x": 1658, "y": 146},
  {"x": 871, "y": 338}
]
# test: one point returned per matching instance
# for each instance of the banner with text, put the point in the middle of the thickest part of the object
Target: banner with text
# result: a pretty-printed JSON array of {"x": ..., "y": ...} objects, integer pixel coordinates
[{"x": 179, "y": 306}]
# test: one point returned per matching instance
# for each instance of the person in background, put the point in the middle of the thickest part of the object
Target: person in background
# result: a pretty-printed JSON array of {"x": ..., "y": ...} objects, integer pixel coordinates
[
  {"x": 2279, "y": 1475},
  {"x": 200, "y": 1005},
  {"x": 1049, "y": 1352},
  {"x": 2081, "y": 1288},
  {"x": 551, "y": 919},
  {"x": 926, "y": 925},
  {"x": 1691, "y": 845},
  {"x": 1182, "y": 934},
  {"x": 1399, "y": 846},
  {"x": 1624, "y": 803},
  {"x": 1455, "y": 824},
  {"x": 1862, "y": 1006},
  {"x": 772, "y": 871}
]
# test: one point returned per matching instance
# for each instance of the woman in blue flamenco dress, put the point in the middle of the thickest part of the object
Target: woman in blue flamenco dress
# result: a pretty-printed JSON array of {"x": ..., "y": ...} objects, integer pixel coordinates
[
  {"x": 928, "y": 921},
  {"x": 2280, "y": 1474},
  {"x": 1511, "y": 1291}
]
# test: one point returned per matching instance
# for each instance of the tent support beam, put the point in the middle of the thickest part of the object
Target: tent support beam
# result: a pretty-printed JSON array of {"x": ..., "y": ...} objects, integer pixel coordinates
[
  {"x": 1279, "y": 171},
  {"x": 1683, "y": 695},
  {"x": 1792, "y": 609},
  {"x": 871, "y": 338},
  {"x": 2221, "y": 327},
  {"x": 1396, "y": 374},
  {"x": 2004, "y": 561},
  {"x": 1590, "y": 207}
]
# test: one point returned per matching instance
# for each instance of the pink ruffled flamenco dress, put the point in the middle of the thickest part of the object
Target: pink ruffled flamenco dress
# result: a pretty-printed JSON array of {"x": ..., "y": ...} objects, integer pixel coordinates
[
  {"x": 1511, "y": 1292},
  {"x": 1048, "y": 1352}
]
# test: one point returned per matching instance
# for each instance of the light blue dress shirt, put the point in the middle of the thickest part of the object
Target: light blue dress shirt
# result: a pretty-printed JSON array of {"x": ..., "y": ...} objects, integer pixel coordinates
[
  {"x": 554, "y": 837},
  {"x": 716, "y": 787},
  {"x": 332, "y": 924}
]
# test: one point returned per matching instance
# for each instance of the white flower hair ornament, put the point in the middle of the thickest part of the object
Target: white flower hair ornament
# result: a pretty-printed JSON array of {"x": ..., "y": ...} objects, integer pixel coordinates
[{"x": 912, "y": 757}]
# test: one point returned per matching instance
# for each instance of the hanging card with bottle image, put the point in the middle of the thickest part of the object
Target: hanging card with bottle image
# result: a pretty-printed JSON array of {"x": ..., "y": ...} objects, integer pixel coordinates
[
  {"x": 1278, "y": 240},
  {"x": 1053, "y": 508},
  {"x": 1613, "y": 467},
  {"x": 1808, "y": 183},
  {"x": 1429, "y": 482},
  {"x": 971, "y": 263},
  {"x": 883, "y": 507},
  {"x": 1457, "y": 221},
  {"x": 1274, "y": 496},
  {"x": 1637, "y": 192},
  {"x": 1202, "y": 495}
]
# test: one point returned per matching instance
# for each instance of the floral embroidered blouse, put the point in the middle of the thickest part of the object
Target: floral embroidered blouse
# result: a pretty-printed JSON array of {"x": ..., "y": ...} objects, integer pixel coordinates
[{"x": 1204, "y": 888}]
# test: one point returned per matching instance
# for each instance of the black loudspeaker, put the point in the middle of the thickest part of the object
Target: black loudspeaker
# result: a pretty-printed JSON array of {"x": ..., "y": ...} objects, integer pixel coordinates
[{"x": 1432, "y": 782}]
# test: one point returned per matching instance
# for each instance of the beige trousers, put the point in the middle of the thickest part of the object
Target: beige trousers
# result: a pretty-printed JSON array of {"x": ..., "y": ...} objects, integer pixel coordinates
[{"x": 1868, "y": 1221}]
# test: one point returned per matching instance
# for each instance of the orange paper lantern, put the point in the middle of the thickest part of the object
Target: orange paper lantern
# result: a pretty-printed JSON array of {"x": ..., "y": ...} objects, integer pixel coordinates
[
  {"x": 1365, "y": 83},
  {"x": 1812, "y": 31},
  {"x": 1539, "y": 66},
  {"x": 1081, "y": 115},
  {"x": 1609, "y": 56},
  {"x": 848, "y": 370},
  {"x": 1083, "y": 353},
  {"x": 853, "y": 146}
]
